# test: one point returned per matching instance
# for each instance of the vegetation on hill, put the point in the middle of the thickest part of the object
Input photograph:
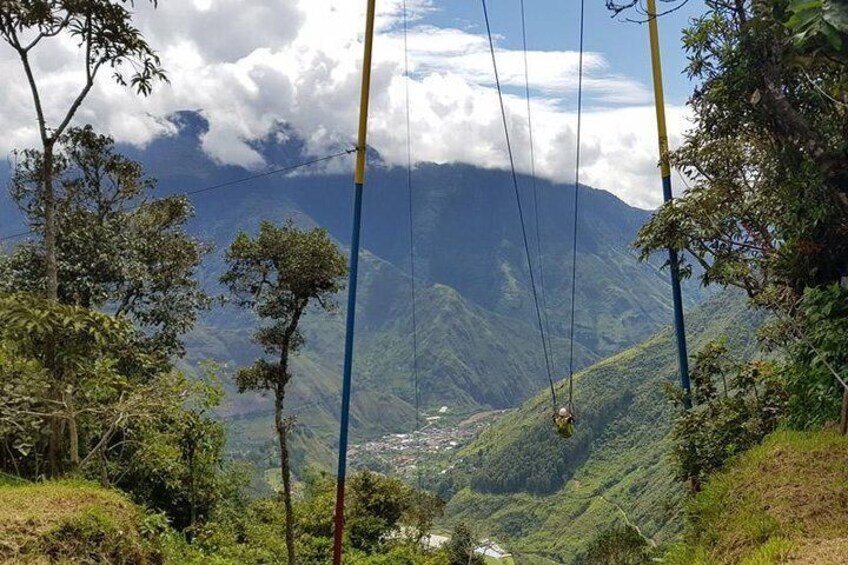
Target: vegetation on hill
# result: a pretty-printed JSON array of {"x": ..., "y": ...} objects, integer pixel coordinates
[
  {"x": 766, "y": 213},
  {"x": 463, "y": 288},
  {"x": 96, "y": 305},
  {"x": 618, "y": 460},
  {"x": 81, "y": 522}
]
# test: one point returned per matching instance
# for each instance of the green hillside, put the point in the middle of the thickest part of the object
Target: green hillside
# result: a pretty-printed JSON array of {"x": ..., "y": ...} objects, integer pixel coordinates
[
  {"x": 478, "y": 344},
  {"x": 548, "y": 497},
  {"x": 781, "y": 502},
  {"x": 479, "y": 347}
]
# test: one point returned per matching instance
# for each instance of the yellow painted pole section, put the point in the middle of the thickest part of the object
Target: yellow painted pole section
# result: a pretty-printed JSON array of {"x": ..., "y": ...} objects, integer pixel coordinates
[
  {"x": 359, "y": 175},
  {"x": 659, "y": 98}
]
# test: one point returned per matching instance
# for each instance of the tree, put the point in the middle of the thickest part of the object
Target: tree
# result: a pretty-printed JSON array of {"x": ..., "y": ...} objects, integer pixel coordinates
[
  {"x": 278, "y": 274},
  {"x": 105, "y": 33},
  {"x": 767, "y": 156},
  {"x": 819, "y": 28},
  {"x": 122, "y": 420},
  {"x": 104, "y": 30},
  {"x": 621, "y": 545},
  {"x": 92, "y": 380},
  {"x": 174, "y": 461},
  {"x": 120, "y": 249},
  {"x": 81, "y": 360},
  {"x": 735, "y": 405},
  {"x": 460, "y": 548},
  {"x": 816, "y": 355}
]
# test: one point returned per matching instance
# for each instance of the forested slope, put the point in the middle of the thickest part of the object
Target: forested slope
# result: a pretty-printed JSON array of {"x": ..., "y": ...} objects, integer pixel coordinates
[{"x": 550, "y": 497}]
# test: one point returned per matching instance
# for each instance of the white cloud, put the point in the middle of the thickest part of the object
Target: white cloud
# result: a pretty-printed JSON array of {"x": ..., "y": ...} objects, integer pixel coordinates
[{"x": 249, "y": 64}]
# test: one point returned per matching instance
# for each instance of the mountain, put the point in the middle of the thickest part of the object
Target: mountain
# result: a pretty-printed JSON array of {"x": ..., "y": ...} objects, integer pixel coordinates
[
  {"x": 549, "y": 497},
  {"x": 479, "y": 346}
]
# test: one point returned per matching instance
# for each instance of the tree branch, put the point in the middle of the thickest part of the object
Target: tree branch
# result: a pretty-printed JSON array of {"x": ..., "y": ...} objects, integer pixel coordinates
[
  {"x": 52, "y": 33},
  {"x": 79, "y": 99},
  {"x": 36, "y": 97}
]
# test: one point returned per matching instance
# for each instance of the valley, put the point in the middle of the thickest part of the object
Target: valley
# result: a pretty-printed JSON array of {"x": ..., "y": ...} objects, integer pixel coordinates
[
  {"x": 478, "y": 346},
  {"x": 493, "y": 451},
  {"x": 578, "y": 314}
]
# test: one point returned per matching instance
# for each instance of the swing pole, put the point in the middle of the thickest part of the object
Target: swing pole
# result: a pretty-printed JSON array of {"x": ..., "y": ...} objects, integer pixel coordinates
[
  {"x": 359, "y": 182},
  {"x": 665, "y": 168}
]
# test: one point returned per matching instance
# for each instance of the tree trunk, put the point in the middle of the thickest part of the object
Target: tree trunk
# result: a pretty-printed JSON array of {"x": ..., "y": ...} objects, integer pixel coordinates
[
  {"x": 49, "y": 201},
  {"x": 843, "y": 423},
  {"x": 52, "y": 287},
  {"x": 73, "y": 432},
  {"x": 104, "y": 470},
  {"x": 282, "y": 433},
  {"x": 694, "y": 485},
  {"x": 57, "y": 428},
  {"x": 192, "y": 490},
  {"x": 53, "y": 449}
]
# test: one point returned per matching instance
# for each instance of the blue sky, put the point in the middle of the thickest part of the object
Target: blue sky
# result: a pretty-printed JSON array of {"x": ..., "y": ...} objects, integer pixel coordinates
[{"x": 553, "y": 25}]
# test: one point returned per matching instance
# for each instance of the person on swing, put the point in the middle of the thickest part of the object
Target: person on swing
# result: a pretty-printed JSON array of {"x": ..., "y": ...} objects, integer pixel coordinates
[{"x": 564, "y": 422}]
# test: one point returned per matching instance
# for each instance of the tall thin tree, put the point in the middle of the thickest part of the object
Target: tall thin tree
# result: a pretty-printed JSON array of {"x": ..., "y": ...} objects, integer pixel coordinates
[{"x": 278, "y": 274}]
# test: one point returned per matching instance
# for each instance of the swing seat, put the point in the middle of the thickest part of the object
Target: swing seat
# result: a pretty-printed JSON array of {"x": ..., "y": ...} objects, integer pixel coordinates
[{"x": 564, "y": 422}]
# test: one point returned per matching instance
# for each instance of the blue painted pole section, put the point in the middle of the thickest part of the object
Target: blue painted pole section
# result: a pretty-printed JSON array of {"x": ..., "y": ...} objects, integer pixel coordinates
[
  {"x": 348, "y": 366},
  {"x": 679, "y": 325},
  {"x": 351, "y": 321}
]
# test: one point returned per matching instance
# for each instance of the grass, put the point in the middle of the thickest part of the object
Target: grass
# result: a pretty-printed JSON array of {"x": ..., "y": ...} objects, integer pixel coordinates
[
  {"x": 69, "y": 520},
  {"x": 785, "y": 501}
]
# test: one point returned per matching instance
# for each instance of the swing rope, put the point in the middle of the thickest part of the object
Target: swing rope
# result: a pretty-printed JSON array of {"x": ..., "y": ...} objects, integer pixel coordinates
[
  {"x": 520, "y": 208},
  {"x": 535, "y": 189},
  {"x": 415, "y": 373},
  {"x": 575, "y": 218}
]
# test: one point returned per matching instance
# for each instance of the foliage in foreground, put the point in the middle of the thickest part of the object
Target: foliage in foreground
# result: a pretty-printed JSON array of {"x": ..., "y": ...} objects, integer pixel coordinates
[
  {"x": 80, "y": 398},
  {"x": 820, "y": 351},
  {"x": 377, "y": 507},
  {"x": 71, "y": 520},
  {"x": 119, "y": 249},
  {"x": 767, "y": 209},
  {"x": 735, "y": 405}
]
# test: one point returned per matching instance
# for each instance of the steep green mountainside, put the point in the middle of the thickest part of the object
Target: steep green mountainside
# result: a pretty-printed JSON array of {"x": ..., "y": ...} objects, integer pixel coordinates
[
  {"x": 550, "y": 497},
  {"x": 475, "y": 359}
]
